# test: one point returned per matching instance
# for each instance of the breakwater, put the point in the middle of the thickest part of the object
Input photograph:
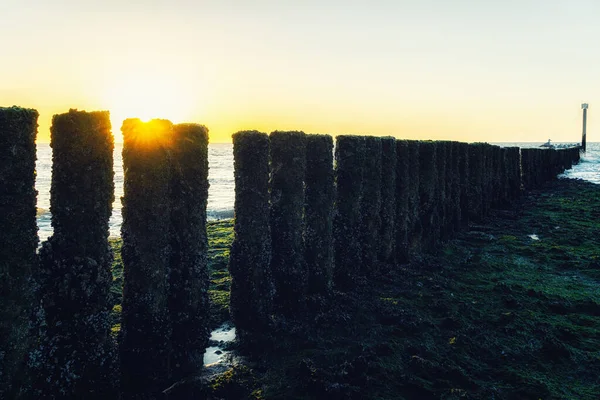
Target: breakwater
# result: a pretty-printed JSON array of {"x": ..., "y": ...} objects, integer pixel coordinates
[{"x": 304, "y": 225}]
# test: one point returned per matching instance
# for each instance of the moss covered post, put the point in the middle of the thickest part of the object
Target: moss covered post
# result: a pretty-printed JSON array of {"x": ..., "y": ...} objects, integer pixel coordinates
[
  {"x": 537, "y": 171},
  {"x": 387, "y": 233},
  {"x": 188, "y": 275},
  {"x": 145, "y": 327},
  {"x": 428, "y": 180},
  {"x": 75, "y": 262},
  {"x": 252, "y": 287},
  {"x": 452, "y": 207},
  {"x": 476, "y": 171},
  {"x": 488, "y": 173},
  {"x": 464, "y": 173},
  {"x": 495, "y": 178},
  {"x": 514, "y": 159},
  {"x": 525, "y": 175},
  {"x": 504, "y": 169},
  {"x": 371, "y": 205},
  {"x": 18, "y": 242},
  {"x": 402, "y": 201},
  {"x": 440, "y": 190},
  {"x": 349, "y": 159},
  {"x": 288, "y": 167},
  {"x": 318, "y": 213},
  {"x": 414, "y": 228}
]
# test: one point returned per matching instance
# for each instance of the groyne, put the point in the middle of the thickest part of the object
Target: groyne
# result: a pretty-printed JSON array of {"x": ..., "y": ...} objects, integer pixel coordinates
[{"x": 308, "y": 219}]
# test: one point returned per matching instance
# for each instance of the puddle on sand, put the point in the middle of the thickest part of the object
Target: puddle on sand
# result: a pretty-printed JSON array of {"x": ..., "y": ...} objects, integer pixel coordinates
[
  {"x": 533, "y": 237},
  {"x": 219, "y": 338}
]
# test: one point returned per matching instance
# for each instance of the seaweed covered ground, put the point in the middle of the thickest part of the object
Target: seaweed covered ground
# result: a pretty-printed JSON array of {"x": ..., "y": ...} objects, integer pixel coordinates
[
  {"x": 220, "y": 236},
  {"x": 510, "y": 309}
]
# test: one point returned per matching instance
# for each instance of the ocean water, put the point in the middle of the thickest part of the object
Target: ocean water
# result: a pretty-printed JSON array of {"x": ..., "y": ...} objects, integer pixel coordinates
[
  {"x": 221, "y": 191},
  {"x": 588, "y": 168}
]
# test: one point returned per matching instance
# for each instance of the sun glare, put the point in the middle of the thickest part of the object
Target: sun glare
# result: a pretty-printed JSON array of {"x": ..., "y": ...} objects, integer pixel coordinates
[{"x": 147, "y": 98}]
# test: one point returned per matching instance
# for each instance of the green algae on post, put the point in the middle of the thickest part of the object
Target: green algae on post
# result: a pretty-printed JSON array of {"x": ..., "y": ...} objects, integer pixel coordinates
[
  {"x": 318, "y": 213},
  {"x": 18, "y": 242},
  {"x": 252, "y": 290},
  {"x": 75, "y": 262},
  {"x": 371, "y": 205},
  {"x": 145, "y": 327},
  {"x": 463, "y": 172},
  {"x": 349, "y": 166},
  {"x": 442, "y": 159},
  {"x": 476, "y": 167},
  {"x": 456, "y": 186},
  {"x": 402, "y": 189},
  {"x": 387, "y": 235},
  {"x": 414, "y": 227},
  {"x": 429, "y": 202},
  {"x": 288, "y": 165},
  {"x": 188, "y": 276},
  {"x": 514, "y": 173}
]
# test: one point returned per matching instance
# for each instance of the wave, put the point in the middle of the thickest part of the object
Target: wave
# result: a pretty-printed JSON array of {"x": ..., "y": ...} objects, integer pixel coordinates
[{"x": 213, "y": 215}]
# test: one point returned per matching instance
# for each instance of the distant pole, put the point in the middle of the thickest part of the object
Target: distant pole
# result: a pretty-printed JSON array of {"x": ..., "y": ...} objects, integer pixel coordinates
[{"x": 584, "y": 106}]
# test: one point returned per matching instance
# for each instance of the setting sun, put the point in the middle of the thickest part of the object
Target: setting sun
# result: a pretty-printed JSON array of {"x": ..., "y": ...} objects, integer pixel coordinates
[{"x": 148, "y": 97}]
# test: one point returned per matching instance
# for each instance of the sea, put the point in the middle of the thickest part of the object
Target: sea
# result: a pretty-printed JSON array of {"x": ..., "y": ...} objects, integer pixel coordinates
[
  {"x": 220, "y": 193},
  {"x": 220, "y": 176}
]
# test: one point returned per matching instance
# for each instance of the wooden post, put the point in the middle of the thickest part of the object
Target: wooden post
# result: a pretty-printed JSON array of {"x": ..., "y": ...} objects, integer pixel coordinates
[
  {"x": 18, "y": 241},
  {"x": 252, "y": 287}
]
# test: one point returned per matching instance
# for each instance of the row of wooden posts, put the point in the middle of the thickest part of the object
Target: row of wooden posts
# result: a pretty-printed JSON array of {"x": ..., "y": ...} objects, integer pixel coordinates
[{"x": 306, "y": 222}]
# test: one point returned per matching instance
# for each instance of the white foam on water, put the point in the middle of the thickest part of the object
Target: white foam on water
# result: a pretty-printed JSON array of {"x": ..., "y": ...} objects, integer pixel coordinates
[{"x": 219, "y": 338}]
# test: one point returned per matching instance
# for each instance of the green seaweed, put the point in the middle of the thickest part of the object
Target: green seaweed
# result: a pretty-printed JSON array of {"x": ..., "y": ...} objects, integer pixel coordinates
[
  {"x": 495, "y": 314},
  {"x": 220, "y": 236}
]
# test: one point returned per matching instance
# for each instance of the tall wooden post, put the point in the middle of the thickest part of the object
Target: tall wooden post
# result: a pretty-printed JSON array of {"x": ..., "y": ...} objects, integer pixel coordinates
[{"x": 584, "y": 106}]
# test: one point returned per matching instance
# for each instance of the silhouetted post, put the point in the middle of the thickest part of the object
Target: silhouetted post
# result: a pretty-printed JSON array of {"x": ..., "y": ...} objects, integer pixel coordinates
[
  {"x": 188, "y": 276},
  {"x": 75, "y": 262},
  {"x": 288, "y": 166},
  {"x": 513, "y": 155},
  {"x": 18, "y": 242},
  {"x": 488, "y": 174},
  {"x": 402, "y": 195},
  {"x": 252, "y": 287},
  {"x": 455, "y": 186},
  {"x": 450, "y": 199},
  {"x": 371, "y": 205},
  {"x": 349, "y": 159},
  {"x": 441, "y": 220},
  {"x": 387, "y": 235},
  {"x": 526, "y": 161},
  {"x": 414, "y": 227},
  {"x": 496, "y": 175},
  {"x": 146, "y": 233},
  {"x": 463, "y": 172},
  {"x": 476, "y": 181},
  {"x": 428, "y": 180},
  {"x": 318, "y": 213},
  {"x": 584, "y": 106}
]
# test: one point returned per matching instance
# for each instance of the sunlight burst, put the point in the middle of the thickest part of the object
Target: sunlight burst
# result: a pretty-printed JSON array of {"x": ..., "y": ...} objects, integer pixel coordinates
[{"x": 147, "y": 98}]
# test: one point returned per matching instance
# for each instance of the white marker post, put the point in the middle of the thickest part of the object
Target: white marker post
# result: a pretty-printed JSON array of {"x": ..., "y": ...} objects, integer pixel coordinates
[{"x": 584, "y": 107}]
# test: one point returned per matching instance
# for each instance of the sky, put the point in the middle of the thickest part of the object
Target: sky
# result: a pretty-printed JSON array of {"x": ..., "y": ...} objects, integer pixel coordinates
[{"x": 467, "y": 70}]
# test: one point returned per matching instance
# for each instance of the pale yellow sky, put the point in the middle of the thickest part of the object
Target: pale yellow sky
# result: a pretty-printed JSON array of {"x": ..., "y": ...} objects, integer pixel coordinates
[{"x": 433, "y": 69}]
